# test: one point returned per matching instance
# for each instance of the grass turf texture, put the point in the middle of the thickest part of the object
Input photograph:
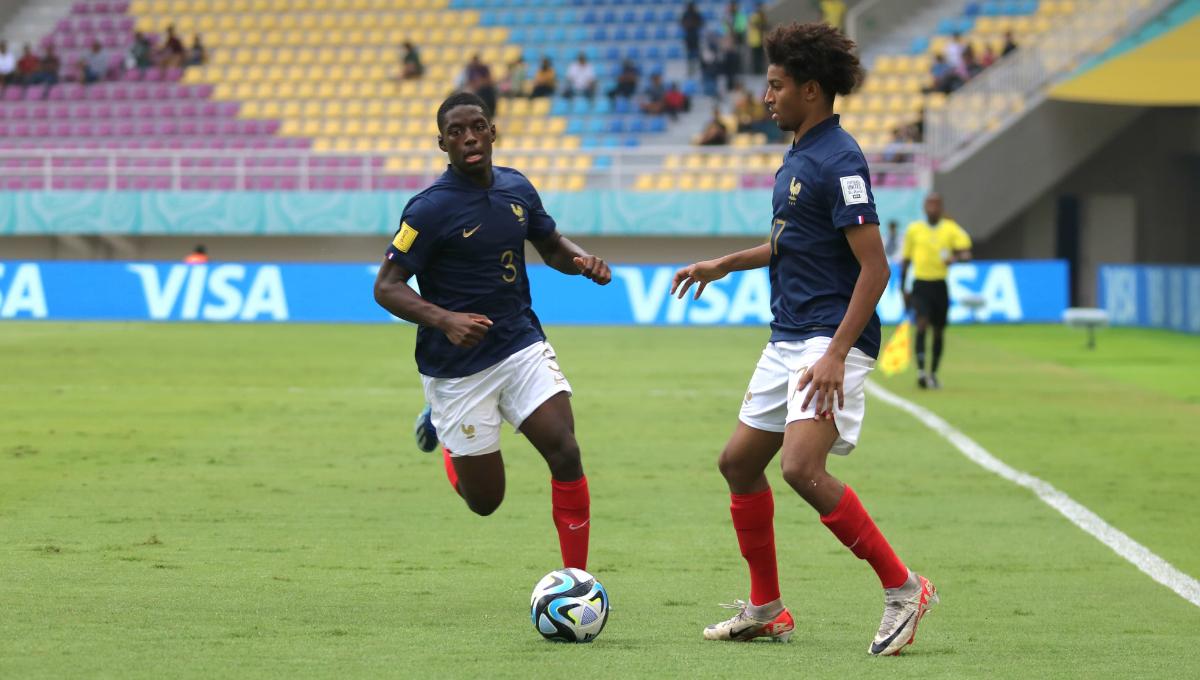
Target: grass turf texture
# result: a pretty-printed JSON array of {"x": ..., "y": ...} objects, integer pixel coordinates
[{"x": 246, "y": 501}]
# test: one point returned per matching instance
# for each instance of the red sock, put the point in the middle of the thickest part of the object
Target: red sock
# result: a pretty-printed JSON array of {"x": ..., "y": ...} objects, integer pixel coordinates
[
  {"x": 572, "y": 516},
  {"x": 753, "y": 520},
  {"x": 451, "y": 473},
  {"x": 856, "y": 530}
]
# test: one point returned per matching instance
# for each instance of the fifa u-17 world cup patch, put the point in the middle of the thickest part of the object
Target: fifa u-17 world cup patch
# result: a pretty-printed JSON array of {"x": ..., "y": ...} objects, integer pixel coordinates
[
  {"x": 405, "y": 237},
  {"x": 854, "y": 190}
]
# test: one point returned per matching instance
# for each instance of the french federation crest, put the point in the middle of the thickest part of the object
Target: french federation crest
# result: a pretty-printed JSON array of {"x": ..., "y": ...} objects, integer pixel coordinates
[
  {"x": 794, "y": 190},
  {"x": 519, "y": 211}
]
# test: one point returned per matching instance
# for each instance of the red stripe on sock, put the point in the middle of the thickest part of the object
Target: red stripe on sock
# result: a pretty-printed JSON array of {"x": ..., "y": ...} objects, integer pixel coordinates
[
  {"x": 571, "y": 507},
  {"x": 754, "y": 521},
  {"x": 451, "y": 473},
  {"x": 856, "y": 530}
]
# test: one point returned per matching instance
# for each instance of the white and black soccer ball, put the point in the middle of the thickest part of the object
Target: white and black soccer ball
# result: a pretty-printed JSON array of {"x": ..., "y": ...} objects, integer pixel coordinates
[{"x": 569, "y": 605}]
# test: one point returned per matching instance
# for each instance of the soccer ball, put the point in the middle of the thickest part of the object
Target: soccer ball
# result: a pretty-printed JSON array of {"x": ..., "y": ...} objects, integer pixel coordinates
[{"x": 569, "y": 605}]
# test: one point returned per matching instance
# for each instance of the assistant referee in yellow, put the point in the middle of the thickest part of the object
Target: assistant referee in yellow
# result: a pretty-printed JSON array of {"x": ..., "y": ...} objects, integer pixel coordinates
[{"x": 930, "y": 247}]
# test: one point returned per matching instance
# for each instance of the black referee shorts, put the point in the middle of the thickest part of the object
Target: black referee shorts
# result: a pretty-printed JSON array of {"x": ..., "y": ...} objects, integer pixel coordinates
[{"x": 931, "y": 300}]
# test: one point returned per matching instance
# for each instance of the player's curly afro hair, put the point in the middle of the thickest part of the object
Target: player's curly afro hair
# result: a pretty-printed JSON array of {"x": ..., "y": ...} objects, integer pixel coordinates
[
  {"x": 461, "y": 99},
  {"x": 816, "y": 51}
]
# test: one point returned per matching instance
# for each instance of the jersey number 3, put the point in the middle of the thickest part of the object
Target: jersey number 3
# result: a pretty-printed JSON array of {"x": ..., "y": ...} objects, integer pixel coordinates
[{"x": 507, "y": 258}]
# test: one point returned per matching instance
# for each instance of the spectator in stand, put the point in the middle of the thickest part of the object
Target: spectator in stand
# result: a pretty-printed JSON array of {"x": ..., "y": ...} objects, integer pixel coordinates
[
  {"x": 197, "y": 54},
  {"x": 757, "y": 26},
  {"x": 515, "y": 80},
  {"x": 715, "y": 133},
  {"x": 970, "y": 65},
  {"x": 954, "y": 52},
  {"x": 95, "y": 65},
  {"x": 27, "y": 67},
  {"x": 545, "y": 81},
  {"x": 411, "y": 67},
  {"x": 627, "y": 80},
  {"x": 711, "y": 63},
  {"x": 988, "y": 58},
  {"x": 735, "y": 23},
  {"x": 750, "y": 112},
  {"x": 8, "y": 64},
  {"x": 917, "y": 129},
  {"x": 692, "y": 22},
  {"x": 581, "y": 78},
  {"x": 894, "y": 151},
  {"x": 173, "y": 53},
  {"x": 654, "y": 98},
  {"x": 1009, "y": 44},
  {"x": 141, "y": 53},
  {"x": 833, "y": 12},
  {"x": 946, "y": 79},
  {"x": 731, "y": 61},
  {"x": 478, "y": 78},
  {"x": 675, "y": 101},
  {"x": 47, "y": 70}
]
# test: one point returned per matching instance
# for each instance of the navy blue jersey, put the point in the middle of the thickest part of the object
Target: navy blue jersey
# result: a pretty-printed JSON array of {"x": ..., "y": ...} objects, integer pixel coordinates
[
  {"x": 466, "y": 245},
  {"x": 823, "y": 186}
]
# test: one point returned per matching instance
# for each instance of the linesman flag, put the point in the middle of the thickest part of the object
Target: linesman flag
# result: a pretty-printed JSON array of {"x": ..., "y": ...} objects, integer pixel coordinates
[{"x": 897, "y": 353}]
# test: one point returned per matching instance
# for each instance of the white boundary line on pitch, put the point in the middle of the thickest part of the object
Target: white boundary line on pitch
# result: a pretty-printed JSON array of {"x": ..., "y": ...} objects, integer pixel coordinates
[{"x": 1135, "y": 553}]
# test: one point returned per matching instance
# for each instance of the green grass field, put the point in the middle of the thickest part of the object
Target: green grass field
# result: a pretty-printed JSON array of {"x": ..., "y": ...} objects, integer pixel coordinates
[{"x": 246, "y": 501}]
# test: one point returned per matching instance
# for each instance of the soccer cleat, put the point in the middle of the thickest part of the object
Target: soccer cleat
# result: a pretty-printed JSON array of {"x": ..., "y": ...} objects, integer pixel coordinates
[
  {"x": 922, "y": 381},
  {"x": 903, "y": 608},
  {"x": 934, "y": 383},
  {"x": 743, "y": 627},
  {"x": 424, "y": 431}
]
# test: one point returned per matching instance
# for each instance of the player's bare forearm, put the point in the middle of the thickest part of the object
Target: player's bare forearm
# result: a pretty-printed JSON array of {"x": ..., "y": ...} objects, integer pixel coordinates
[
  {"x": 751, "y": 258},
  {"x": 872, "y": 280},
  {"x": 393, "y": 293},
  {"x": 564, "y": 255}
]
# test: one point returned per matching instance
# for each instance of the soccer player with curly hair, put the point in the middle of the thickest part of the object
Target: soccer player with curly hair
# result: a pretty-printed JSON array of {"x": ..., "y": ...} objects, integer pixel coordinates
[{"x": 806, "y": 396}]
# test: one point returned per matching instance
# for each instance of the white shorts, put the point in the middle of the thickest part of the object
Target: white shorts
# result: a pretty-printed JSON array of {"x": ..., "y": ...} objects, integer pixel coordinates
[
  {"x": 772, "y": 400},
  {"x": 467, "y": 410}
]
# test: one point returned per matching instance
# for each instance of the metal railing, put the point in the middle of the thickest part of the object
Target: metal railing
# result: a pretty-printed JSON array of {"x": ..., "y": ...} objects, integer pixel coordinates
[
  {"x": 601, "y": 169},
  {"x": 999, "y": 95}
]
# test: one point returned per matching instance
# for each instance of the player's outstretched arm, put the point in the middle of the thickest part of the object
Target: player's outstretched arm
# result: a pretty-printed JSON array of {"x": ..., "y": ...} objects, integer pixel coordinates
[
  {"x": 707, "y": 271},
  {"x": 393, "y": 294},
  {"x": 564, "y": 255}
]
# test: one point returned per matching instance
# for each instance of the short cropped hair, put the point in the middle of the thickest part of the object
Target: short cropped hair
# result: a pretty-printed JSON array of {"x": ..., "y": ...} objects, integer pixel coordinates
[
  {"x": 461, "y": 99},
  {"x": 816, "y": 51}
]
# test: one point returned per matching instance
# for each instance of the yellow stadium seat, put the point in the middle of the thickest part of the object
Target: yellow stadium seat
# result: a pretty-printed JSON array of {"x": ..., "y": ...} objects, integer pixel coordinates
[
  {"x": 706, "y": 182},
  {"x": 687, "y": 182},
  {"x": 575, "y": 182},
  {"x": 644, "y": 183},
  {"x": 571, "y": 143},
  {"x": 664, "y": 182}
]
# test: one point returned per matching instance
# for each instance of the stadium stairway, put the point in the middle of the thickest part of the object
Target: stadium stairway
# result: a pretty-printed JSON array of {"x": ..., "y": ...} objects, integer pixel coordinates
[{"x": 1027, "y": 147}]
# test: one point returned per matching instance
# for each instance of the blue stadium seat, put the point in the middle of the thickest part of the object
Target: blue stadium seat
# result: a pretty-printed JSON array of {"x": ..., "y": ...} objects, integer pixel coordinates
[
  {"x": 633, "y": 52},
  {"x": 657, "y": 124},
  {"x": 577, "y": 34},
  {"x": 591, "y": 17},
  {"x": 602, "y": 105},
  {"x": 612, "y": 54},
  {"x": 690, "y": 87},
  {"x": 629, "y": 17},
  {"x": 602, "y": 162},
  {"x": 631, "y": 142},
  {"x": 654, "y": 52},
  {"x": 675, "y": 51},
  {"x": 580, "y": 106},
  {"x": 575, "y": 127},
  {"x": 620, "y": 34},
  {"x": 560, "y": 107},
  {"x": 594, "y": 126},
  {"x": 609, "y": 17},
  {"x": 557, "y": 34},
  {"x": 641, "y": 32},
  {"x": 920, "y": 45},
  {"x": 637, "y": 125},
  {"x": 516, "y": 35},
  {"x": 660, "y": 33},
  {"x": 623, "y": 105}
]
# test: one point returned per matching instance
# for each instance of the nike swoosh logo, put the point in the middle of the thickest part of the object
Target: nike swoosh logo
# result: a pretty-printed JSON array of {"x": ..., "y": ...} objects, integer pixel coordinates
[
  {"x": 577, "y": 527},
  {"x": 880, "y": 646},
  {"x": 469, "y": 234}
]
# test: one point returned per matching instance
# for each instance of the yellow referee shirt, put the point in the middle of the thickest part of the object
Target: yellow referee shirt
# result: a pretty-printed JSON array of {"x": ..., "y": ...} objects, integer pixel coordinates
[{"x": 928, "y": 248}]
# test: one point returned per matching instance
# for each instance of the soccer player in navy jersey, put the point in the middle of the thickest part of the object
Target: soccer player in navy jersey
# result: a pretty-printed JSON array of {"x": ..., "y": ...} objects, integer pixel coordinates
[
  {"x": 481, "y": 351},
  {"x": 806, "y": 396}
]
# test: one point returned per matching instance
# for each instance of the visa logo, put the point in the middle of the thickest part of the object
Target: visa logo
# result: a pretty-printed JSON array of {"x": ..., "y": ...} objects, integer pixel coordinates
[
  {"x": 23, "y": 294},
  {"x": 736, "y": 299},
  {"x": 226, "y": 292}
]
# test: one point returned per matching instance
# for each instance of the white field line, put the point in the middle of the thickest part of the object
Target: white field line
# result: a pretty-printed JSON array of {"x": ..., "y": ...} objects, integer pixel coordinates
[{"x": 1135, "y": 553}]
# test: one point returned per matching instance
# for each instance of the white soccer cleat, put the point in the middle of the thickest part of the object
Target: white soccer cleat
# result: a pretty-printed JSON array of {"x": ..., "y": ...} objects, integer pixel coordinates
[
  {"x": 743, "y": 627},
  {"x": 903, "y": 608}
]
